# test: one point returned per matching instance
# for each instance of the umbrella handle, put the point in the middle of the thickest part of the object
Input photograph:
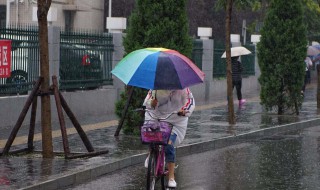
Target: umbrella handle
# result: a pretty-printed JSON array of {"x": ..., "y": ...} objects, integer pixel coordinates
[
  {"x": 155, "y": 94},
  {"x": 154, "y": 98}
]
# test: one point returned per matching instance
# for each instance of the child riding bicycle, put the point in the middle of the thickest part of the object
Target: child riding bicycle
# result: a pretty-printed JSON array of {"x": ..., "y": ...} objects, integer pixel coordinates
[{"x": 163, "y": 102}]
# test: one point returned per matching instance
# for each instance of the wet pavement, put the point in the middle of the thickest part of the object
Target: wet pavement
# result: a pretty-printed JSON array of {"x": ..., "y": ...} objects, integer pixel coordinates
[
  {"x": 208, "y": 123},
  {"x": 284, "y": 161}
]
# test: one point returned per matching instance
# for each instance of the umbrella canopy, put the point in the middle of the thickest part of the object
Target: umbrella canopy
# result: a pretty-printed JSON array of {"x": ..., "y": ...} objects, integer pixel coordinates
[
  {"x": 313, "y": 50},
  {"x": 317, "y": 46},
  {"x": 158, "y": 68},
  {"x": 237, "y": 51}
]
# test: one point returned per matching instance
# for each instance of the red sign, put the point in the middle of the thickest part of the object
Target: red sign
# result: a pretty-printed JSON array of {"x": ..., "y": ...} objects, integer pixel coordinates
[{"x": 5, "y": 58}]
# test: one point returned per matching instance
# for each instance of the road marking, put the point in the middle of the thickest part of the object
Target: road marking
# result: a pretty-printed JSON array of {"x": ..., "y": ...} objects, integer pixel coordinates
[{"x": 57, "y": 133}]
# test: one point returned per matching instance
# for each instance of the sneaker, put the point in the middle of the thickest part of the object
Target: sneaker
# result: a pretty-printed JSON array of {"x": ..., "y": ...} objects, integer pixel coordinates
[
  {"x": 172, "y": 183},
  {"x": 146, "y": 163},
  {"x": 242, "y": 101}
]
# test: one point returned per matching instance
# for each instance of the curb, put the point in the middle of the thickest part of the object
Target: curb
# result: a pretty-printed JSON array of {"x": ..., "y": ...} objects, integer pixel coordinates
[{"x": 92, "y": 173}]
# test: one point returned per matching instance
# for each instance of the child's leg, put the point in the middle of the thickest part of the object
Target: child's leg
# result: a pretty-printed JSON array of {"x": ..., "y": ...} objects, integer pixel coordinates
[
  {"x": 238, "y": 88},
  {"x": 170, "y": 155}
]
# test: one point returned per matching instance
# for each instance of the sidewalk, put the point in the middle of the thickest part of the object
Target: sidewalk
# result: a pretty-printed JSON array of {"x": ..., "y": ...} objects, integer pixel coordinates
[{"x": 208, "y": 129}]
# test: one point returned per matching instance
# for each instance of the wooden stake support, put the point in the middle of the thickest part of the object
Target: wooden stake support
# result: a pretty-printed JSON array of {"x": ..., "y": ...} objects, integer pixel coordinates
[
  {"x": 124, "y": 112},
  {"x": 60, "y": 104}
]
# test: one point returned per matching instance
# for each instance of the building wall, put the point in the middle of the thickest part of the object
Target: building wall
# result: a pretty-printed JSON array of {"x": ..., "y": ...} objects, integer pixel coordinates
[
  {"x": 87, "y": 14},
  {"x": 92, "y": 17}
]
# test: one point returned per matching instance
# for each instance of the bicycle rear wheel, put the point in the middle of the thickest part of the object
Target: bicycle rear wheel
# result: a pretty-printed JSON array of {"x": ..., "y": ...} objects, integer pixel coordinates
[
  {"x": 151, "y": 173},
  {"x": 164, "y": 171}
]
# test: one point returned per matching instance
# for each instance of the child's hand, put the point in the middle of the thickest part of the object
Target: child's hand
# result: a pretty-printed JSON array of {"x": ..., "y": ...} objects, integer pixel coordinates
[
  {"x": 182, "y": 113},
  {"x": 154, "y": 103}
]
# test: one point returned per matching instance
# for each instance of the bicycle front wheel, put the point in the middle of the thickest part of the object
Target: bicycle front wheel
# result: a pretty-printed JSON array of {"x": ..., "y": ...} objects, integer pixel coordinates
[
  {"x": 164, "y": 182},
  {"x": 151, "y": 173}
]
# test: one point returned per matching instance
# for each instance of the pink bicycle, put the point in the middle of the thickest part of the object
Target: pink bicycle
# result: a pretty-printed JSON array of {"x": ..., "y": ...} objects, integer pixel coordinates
[{"x": 156, "y": 134}]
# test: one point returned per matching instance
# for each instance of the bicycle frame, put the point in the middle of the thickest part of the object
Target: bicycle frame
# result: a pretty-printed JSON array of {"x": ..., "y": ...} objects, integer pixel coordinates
[
  {"x": 156, "y": 163},
  {"x": 160, "y": 160},
  {"x": 156, "y": 166}
]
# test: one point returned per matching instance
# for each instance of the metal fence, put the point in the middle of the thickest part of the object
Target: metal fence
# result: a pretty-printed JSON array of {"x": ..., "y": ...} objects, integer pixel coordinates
[
  {"x": 197, "y": 52},
  {"x": 85, "y": 60},
  {"x": 219, "y": 64},
  {"x": 24, "y": 59},
  {"x": 248, "y": 61}
]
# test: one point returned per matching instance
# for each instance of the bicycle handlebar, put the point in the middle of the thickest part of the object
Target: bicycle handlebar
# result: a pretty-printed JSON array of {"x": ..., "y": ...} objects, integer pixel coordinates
[{"x": 152, "y": 115}]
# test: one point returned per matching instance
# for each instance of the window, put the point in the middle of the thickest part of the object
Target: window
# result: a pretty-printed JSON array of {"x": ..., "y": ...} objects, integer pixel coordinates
[{"x": 3, "y": 12}]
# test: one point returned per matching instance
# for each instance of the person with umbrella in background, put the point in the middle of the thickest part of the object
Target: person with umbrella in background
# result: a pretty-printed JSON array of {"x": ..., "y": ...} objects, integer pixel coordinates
[
  {"x": 166, "y": 101},
  {"x": 313, "y": 53},
  {"x": 237, "y": 78},
  {"x": 237, "y": 68},
  {"x": 307, "y": 76}
]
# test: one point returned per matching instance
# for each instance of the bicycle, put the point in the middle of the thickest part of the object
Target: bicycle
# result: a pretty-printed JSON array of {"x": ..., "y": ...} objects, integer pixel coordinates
[{"x": 156, "y": 134}]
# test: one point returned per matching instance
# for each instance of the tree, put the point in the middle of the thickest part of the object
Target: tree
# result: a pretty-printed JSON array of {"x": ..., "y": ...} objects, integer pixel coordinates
[
  {"x": 153, "y": 23},
  {"x": 43, "y": 8},
  {"x": 228, "y": 5},
  {"x": 161, "y": 23},
  {"x": 281, "y": 53},
  {"x": 231, "y": 114},
  {"x": 312, "y": 18}
]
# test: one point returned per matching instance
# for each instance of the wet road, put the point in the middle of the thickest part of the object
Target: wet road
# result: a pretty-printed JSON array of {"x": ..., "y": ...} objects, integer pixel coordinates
[{"x": 289, "y": 161}]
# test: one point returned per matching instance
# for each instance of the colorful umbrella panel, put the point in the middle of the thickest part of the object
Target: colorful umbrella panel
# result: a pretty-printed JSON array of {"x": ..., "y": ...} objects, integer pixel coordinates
[{"x": 158, "y": 68}]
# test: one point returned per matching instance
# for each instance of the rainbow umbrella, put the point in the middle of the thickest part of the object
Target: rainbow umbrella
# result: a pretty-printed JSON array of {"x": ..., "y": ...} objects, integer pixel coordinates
[{"x": 158, "y": 68}]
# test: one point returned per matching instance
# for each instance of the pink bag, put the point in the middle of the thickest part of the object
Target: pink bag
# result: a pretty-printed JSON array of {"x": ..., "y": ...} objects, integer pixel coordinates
[{"x": 156, "y": 132}]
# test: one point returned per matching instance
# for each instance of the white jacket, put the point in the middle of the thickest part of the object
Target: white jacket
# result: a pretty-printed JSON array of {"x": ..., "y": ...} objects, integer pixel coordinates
[
  {"x": 168, "y": 102},
  {"x": 308, "y": 62}
]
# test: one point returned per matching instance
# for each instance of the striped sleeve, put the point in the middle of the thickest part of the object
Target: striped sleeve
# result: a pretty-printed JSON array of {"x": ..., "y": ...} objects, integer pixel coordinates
[{"x": 189, "y": 102}]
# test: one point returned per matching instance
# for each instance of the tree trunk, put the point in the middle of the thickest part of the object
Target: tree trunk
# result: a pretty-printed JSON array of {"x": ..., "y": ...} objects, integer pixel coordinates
[
  {"x": 231, "y": 116},
  {"x": 47, "y": 148}
]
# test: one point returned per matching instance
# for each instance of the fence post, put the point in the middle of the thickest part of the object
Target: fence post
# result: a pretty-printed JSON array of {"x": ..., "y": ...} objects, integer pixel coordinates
[
  {"x": 117, "y": 56},
  {"x": 54, "y": 51},
  {"x": 207, "y": 66}
]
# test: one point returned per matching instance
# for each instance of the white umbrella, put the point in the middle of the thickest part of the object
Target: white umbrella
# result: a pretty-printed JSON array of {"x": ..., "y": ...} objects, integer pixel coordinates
[
  {"x": 312, "y": 51},
  {"x": 237, "y": 51}
]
